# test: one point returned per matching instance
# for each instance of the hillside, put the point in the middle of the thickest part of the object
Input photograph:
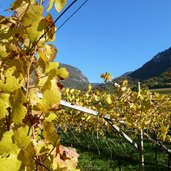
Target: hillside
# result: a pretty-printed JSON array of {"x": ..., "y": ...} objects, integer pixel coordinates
[
  {"x": 155, "y": 73},
  {"x": 76, "y": 78},
  {"x": 159, "y": 64}
]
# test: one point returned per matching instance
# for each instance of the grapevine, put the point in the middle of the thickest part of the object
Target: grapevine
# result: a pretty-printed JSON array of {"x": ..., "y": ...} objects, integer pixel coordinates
[
  {"x": 126, "y": 108},
  {"x": 28, "y": 138}
]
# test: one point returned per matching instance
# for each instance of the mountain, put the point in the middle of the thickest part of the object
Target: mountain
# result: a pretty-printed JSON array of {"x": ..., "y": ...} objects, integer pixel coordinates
[
  {"x": 76, "y": 78},
  {"x": 159, "y": 64},
  {"x": 156, "y": 73}
]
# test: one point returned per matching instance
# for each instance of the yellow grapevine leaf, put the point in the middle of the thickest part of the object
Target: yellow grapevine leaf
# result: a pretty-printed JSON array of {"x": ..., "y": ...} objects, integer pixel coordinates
[
  {"x": 21, "y": 137},
  {"x": 62, "y": 73},
  {"x": 51, "y": 117},
  {"x": 89, "y": 87},
  {"x": 50, "y": 5},
  {"x": 106, "y": 76},
  {"x": 53, "y": 52},
  {"x": 49, "y": 132},
  {"x": 4, "y": 104},
  {"x": 18, "y": 109},
  {"x": 33, "y": 21},
  {"x": 26, "y": 156},
  {"x": 51, "y": 95},
  {"x": 10, "y": 163},
  {"x": 20, "y": 6},
  {"x": 10, "y": 85},
  {"x": 49, "y": 21},
  {"x": 59, "y": 4},
  {"x": 14, "y": 67},
  {"x": 108, "y": 99},
  {"x": 3, "y": 51},
  {"x": 48, "y": 53},
  {"x": 6, "y": 144},
  {"x": 50, "y": 66}
]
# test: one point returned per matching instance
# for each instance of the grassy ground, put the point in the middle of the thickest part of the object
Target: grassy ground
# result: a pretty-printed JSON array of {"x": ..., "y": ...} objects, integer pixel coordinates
[
  {"x": 162, "y": 90},
  {"x": 113, "y": 154}
]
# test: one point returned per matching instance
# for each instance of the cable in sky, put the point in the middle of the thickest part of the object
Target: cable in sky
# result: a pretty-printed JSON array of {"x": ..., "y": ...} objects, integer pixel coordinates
[
  {"x": 71, "y": 16},
  {"x": 53, "y": 23},
  {"x": 66, "y": 19}
]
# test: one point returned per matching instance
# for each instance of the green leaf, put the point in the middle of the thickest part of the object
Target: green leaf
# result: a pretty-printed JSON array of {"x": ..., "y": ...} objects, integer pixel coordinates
[
  {"x": 18, "y": 109},
  {"x": 4, "y": 104},
  {"x": 21, "y": 137},
  {"x": 10, "y": 85}
]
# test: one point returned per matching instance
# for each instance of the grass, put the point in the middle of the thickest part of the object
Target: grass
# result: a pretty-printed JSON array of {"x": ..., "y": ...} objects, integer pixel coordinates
[
  {"x": 162, "y": 90},
  {"x": 113, "y": 153}
]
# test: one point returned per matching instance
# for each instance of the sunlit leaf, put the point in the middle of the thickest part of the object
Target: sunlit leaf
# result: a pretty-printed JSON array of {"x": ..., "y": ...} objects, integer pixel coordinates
[
  {"x": 10, "y": 163},
  {"x": 51, "y": 117},
  {"x": 21, "y": 137},
  {"x": 62, "y": 73},
  {"x": 20, "y": 6},
  {"x": 51, "y": 94},
  {"x": 6, "y": 144},
  {"x": 10, "y": 85},
  {"x": 33, "y": 21},
  {"x": 17, "y": 101},
  {"x": 50, "y": 5},
  {"x": 59, "y": 4},
  {"x": 4, "y": 104}
]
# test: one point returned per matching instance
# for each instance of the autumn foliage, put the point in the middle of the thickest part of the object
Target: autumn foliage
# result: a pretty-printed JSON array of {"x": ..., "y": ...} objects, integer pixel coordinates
[{"x": 29, "y": 91}]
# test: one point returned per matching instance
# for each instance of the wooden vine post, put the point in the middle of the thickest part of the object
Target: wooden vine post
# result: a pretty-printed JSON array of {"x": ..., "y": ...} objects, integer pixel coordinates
[
  {"x": 141, "y": 143},
  {"x": 169, "y": 162}
]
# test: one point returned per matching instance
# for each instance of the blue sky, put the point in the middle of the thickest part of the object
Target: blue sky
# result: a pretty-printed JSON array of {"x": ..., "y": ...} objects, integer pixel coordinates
[{"x": 115, "y": 35}]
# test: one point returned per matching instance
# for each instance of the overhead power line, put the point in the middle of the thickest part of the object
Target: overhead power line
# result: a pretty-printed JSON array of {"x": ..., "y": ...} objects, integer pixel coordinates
[
  {"x": 53, "y": 24},
  {"x": 71, "y": 15},
  {"x": 57, "y": 20}
]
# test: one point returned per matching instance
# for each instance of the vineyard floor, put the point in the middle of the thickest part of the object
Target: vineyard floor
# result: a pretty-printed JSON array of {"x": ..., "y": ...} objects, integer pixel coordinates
[
  {"x": 114, "y": 154},
  {"x": 162, "y": 90}
]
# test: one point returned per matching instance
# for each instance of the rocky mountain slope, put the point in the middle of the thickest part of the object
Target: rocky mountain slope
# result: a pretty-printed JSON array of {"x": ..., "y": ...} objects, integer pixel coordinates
[
  {"x": 154, "y": 73},
  {"x": 76, "y": 78},
  {"x": 155, "y": 67}
]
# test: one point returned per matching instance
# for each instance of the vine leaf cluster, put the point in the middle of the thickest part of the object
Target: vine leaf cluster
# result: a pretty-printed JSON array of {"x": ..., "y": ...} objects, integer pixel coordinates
[{"x": 28, "y": 138}]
